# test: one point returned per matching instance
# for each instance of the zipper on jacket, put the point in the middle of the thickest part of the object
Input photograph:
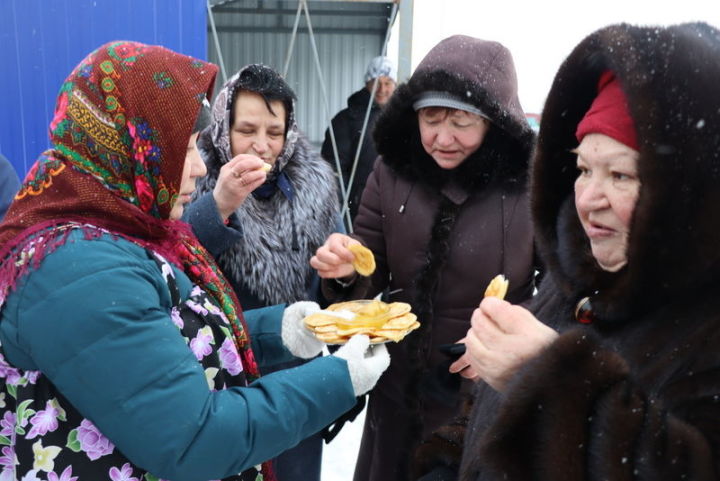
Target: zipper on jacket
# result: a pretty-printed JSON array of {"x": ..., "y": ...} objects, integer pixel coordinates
[{"x": 402, "y": 206}]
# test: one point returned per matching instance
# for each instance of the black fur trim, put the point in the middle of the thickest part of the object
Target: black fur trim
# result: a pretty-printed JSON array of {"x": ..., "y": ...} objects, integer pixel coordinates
[
  {"x": 418, "y": 345},
  {"x": 445, "y": 446}
]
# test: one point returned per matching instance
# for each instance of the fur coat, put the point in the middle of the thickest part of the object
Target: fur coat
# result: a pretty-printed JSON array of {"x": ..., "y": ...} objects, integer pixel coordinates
[
  {"x": 269, "y": 263},
  {"x": 635, "y": 395}
]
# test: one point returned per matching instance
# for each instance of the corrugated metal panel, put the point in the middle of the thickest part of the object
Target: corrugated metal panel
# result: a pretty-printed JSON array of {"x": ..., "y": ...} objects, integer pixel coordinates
[
  {"x": 348, "y": 35},
  {"x": 43, "y": 40}
]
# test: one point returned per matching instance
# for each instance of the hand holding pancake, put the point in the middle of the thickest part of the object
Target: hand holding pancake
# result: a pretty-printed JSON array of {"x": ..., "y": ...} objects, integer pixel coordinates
[
  {"x": 502, "y": 338},
  {"x": 236, "y": 180},
  {"x": 497, "y": 287},
  {"x": 336, "y": 259}
]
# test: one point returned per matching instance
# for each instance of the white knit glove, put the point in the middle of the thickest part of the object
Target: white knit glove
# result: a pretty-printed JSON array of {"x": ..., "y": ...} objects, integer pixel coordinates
[
  {"x": 365, "y": 366},
  {"x": 296, "y": 337}
]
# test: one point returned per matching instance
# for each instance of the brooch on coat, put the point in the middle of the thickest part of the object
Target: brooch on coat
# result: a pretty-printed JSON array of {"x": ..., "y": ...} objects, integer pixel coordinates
[{"x": 583, "y": 311}]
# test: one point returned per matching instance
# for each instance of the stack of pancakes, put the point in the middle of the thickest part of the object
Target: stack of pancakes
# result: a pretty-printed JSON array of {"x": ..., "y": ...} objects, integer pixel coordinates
[{"x": 380, "y": 321}]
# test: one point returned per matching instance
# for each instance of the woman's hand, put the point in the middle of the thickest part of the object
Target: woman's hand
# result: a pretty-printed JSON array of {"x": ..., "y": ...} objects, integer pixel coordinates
[
  {"x": 502, "y": 338},
  {"x": 295, "y": 336},
  {"x": 462, "y": 365},
  {"x": 237, "y": 178},
  {"x": 333, "y": 260}
]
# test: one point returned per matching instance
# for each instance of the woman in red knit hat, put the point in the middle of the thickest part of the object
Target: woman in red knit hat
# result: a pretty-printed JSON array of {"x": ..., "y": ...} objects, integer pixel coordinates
[{"x": 613, "y": 373}]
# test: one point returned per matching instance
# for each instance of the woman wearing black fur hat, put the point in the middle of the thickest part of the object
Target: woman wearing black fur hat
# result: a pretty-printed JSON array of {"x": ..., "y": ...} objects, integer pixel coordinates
[
  {"x": 626, "y": 384},
  {"x": 444, "y": 211}
]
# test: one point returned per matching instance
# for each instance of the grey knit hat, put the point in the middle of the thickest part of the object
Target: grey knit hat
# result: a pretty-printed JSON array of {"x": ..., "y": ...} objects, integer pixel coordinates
[
  {"x": 381, "y": 67},
  {"x": 433, "y": 98}
]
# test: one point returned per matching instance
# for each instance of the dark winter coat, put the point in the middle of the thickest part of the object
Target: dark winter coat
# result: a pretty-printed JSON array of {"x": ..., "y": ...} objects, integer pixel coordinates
[
  {"x": 347, "y": 126},
  {"x": 636, "y": 394},
  {"x": 439, "y": 237}
]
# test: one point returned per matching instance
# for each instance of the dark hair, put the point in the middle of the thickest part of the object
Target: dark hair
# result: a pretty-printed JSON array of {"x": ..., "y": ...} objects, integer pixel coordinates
[
  {"x": 204, "y": 117},
  {"x": 265, "y": 81}
]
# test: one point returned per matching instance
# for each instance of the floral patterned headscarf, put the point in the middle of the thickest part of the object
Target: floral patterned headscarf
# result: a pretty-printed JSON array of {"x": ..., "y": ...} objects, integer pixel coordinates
[{"x": 119, "y": 139}]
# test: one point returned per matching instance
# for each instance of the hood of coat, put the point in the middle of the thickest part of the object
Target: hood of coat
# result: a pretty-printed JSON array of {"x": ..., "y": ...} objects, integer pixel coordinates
[
  {"x": 669, "y": 76},
  {"x": 483, "y": 74}
]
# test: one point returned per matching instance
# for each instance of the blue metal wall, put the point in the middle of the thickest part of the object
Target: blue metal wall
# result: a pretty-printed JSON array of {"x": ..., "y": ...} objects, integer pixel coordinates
[{"x": 41, "y": 41}]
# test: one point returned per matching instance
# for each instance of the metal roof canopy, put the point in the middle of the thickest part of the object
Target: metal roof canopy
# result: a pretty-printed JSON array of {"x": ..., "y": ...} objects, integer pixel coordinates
[{"x": 278, "y": 16}]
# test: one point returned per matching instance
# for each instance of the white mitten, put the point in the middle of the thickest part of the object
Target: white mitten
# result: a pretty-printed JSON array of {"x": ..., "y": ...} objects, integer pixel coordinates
[
  {"x": 364, "y": 370},
  {"x": 296, "y": 337}
]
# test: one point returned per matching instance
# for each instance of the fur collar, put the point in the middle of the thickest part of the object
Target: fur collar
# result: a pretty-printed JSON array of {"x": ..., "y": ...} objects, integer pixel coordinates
[
  {"x": 264, "y": 260},
  {"x": 357, "y": 103}
]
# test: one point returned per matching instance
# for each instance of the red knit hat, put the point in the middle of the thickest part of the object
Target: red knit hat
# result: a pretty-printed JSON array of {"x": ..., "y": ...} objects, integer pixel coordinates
[{"x": 609, "y": 114}]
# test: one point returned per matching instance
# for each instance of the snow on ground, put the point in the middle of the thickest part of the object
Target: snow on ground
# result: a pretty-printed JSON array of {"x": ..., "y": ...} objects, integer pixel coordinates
[{"x": 338, "y": 461}]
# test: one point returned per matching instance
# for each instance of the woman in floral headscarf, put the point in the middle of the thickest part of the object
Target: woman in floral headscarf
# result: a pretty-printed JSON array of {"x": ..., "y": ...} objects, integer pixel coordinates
[{"x": 124, "y": 350}]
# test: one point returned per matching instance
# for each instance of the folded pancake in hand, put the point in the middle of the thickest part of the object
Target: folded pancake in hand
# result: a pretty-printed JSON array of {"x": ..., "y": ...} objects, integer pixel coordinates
[
  {"x": 364, "y": 261},
  {"x": 498, "y": 287}
]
